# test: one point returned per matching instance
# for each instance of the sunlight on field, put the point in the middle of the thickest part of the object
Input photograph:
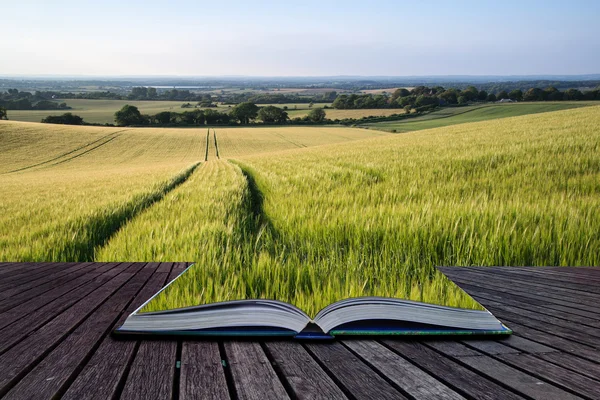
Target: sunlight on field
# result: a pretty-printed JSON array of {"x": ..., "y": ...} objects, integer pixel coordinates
[
  {"x": 375, "y": 217},
  {"x": 69, "y": 181}
]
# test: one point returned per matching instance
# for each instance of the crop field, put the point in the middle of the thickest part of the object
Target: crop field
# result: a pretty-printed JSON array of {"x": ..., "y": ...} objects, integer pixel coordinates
[
  {"x": 476, "y": 113},
  {"x": 313, "y": 226},
  {"x": 66, "y": 189},
  {"x": 96, "y": 111},
  {"x": 308, "y": 215}
]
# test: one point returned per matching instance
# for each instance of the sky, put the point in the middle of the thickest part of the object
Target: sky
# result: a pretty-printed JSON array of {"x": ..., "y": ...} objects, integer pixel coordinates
[{"x": 299, "y": 38}]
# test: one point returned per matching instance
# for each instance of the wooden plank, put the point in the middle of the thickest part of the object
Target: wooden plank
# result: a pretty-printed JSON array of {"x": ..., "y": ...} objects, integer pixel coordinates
[
  {"x": 50, "y": 377},
  {"x": 574, "y": 363},
  {"x": 21, "y": 357},
  {"x": 534, "y": 305},
  {"x": 512, "y": 345},
  {"x": 302, "y": 373},
  {"x": 554, "y": 373},
  {"x": 411, "y": 379},
  {"x": 541, "y": 336},
  {"x": 23, "y": 310},
  {"x": 26, "y": 276},
  {"x": 202, "y": 375},
  {"x": 546, "y": 280},
  {"x": 351, "y": 373},
  {"x": 22, "y": 327},
  {"x": 546, "y": 324},
  {"x": 461, "y": 279},
  {"x": 458, "y": 377},
  {"x": 527, "y": 298},
  {"x": 253, "y": 375},
  {"x": 111, "y": 361},
  {"x": 40, "y": 289},
  {"x": 36, "y": 286},
  {"x": 160, "y": 354},
  {"x": 12, "y": 268},
  {"x": 152, "y": 372},
  {"x": 577, "y": 299},
  {"x": 517, "y": 380}
]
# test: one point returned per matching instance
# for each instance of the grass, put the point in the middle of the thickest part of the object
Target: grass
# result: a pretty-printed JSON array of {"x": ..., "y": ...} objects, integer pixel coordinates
[
  {"x": 375, "y": 217},
  {"x": 476, "y": 113},
  {"x": 74, "y": 187}
]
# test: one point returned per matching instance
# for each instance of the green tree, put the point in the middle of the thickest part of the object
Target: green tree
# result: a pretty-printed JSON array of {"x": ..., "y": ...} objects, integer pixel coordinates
[
  {"x": 244, "y": 112},
  {"x": 482, "y": 95},
  {"x": 163, "y": 117},
  {"x": 534, "y": 94},
  {"x": 272, "y": 114},
  {"x": 3, "y": 114},
  {"x": 317, "y": 115},
  {"x": 128, "y": 115},
  {"x": 462, "y": 100},
  {"x": 516, "y": 95},
  {"x": 491, "y": 97},
  {"x": 502, "y": 95},
  {"x": 66, "y": 119}
]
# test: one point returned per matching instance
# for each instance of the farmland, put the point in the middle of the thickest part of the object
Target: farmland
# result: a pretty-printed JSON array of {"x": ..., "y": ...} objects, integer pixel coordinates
[
  {"x": 308, "y": 215},
  {"x": 349, "y": 219},
  {"x": 475, "y": 113},
  {"x": 96, "y": 111}
]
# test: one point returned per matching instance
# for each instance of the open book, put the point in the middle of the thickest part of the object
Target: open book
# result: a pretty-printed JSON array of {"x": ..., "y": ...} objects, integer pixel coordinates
[{"x": 354, "y": 316}]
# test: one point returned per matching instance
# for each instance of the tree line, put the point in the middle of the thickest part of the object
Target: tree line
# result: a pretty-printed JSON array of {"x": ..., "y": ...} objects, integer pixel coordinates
[
  {"x": 15, "y": 100},
  {"x": 242, "y": 114},
  {"x": 423, "y": 97}
]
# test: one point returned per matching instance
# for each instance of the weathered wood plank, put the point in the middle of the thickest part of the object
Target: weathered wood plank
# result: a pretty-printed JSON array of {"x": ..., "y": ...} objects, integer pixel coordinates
[
  {"x": 533, "y": 305},
  {"x": 517, "y": 380},
  {"x": 25, "y": 276},
  {"x": 352, "y": 374},
  {"x": 253, "y": 375},
  {"x": 202, "y": 374},
  {"x": 411, "y": 379},
  {"x": 302, "y": 373},
  {"x": 20, "y": 358},
  {"x": 574, "y": 363},
  {"x": 21, "y": 327},
  {"x": 151, "y": 375},
  {"x": 511, "y": 345},
  {"x": 49, "y": 378},
  {"x": 553, "y": 373},
  {"x": 112, "y": 359},
  {"x": 37, "y": 286},
  {"x": 450, "y": 372}
]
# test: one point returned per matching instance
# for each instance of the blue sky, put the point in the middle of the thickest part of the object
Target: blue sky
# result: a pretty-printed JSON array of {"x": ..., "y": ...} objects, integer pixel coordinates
[{"x": 301, "y": 38}]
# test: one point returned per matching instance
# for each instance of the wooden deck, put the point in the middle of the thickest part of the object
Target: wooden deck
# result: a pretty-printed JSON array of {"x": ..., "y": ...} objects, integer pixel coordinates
[{"x": 55, "y": 321}]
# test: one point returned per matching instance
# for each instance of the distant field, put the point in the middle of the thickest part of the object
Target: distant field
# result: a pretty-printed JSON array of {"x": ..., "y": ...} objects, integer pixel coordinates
[
  {"x": 460, "y": 115},
  {"x": 97, "y": 111}
]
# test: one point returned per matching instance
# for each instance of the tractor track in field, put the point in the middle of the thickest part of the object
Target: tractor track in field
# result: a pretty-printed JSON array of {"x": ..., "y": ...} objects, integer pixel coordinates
[
  {"x": 207, "y": 142},
  {"x": 289, "y": 141},
  {"x": 216, "y": 144},
  {"x": 47, "y": 162}
]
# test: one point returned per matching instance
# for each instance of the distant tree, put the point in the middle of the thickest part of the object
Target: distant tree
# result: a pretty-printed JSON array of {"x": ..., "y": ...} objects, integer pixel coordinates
[
  {"x": 311, "y": 104},
  {"x": 66, "y": 119},
  {"x": 516, "y": 95},
  {"x": 462, "y": 100},
  {"x": 534, "y": 94},
  {"x": 128, "y": 115},
  {"x": 400, "y": 93},
  {"x": 272, "y": 114},
  {"x": 407, "y": 109},
  {"x": 151, "y": 93},
  {"x": 163, "y": 118},
  {"x": 317, "y": 115},
  {"x": 491, "y": 97},
  {"x": 482, "y": 95},
  {"x": 450, "y": 96},
  {"x": 3, "y": 114},
  {"x": 502, "y": 95},
  {"x": 553, "y": 94},
  {"x": 573, "y": 94},
  {"x": 471, "y": 93},
  {"x": 244, "y": 112}
]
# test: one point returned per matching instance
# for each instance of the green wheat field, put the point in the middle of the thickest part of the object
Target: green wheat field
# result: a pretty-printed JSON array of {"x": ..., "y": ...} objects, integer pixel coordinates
[{"x": 307, "y": 215}]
